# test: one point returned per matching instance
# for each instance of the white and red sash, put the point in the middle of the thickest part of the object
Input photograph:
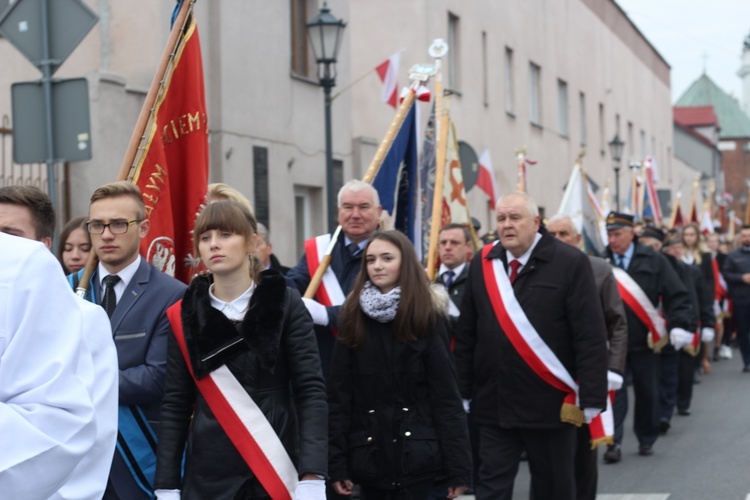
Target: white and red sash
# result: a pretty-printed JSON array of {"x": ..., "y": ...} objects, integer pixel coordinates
[
  {"x": 243, "y": 422},
  {"x": 694, "y": 348},
  {"x": 536, "y": 353},
  {"x": 329, "y": 292},
  {"x": 525, "y": 339},
  {"x": 638, "y": 302},
  {"x": 721, "y": 291}
]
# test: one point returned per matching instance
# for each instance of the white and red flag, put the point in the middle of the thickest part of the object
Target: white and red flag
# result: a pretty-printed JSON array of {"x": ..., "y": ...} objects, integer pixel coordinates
[
  {"x": 388, "y": 73},
  {"x": 486, "y": 180}
]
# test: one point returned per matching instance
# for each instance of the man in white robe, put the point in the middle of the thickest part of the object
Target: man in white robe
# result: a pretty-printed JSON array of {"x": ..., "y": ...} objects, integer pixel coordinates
[{"x": 46, "y": 411}]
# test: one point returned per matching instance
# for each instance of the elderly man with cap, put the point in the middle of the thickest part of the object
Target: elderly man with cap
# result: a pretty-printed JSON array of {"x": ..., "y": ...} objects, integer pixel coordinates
[
  {"x": 644, "y": 277},
  {"x": 561, "y": 227},
  {"x": 531, "y": 353}
]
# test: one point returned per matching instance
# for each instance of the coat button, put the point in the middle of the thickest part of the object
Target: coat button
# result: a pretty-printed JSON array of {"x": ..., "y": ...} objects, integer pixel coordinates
[
  {"x": 395, "y": 440},
  {"x": 405, "y": 409},
  {"x": 369, "y": 439},
  {"x": 407, "y": 433},
  {"x": 371, "y": 411}
]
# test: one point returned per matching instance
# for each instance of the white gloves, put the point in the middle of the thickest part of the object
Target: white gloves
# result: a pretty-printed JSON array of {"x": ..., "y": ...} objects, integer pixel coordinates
[
  {"x": 317, "y": 310},
  {"x": 311, "y": 489},
  {"x": 590, "y": 414},
  {"x": 167, "y": 494},
  {"x": 707, "y": 334},
  {"x": 466, "y": 403},
  {"x": 614, "y": 381},
  {"x": 680, "y": 338}
]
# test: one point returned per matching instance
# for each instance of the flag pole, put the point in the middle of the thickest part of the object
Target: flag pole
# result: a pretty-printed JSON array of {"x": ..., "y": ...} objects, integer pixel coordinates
[
  {"x": 370, "y": 174},
  {"x": 359, "y": 79},
  {"x": 521, "y": 157},
  {"x": 438, "y": 49},
  {"x": 147, "y": 110}
]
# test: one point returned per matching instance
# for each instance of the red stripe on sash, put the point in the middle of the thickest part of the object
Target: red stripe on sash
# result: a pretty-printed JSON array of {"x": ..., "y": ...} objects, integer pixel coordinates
[
  {"x": 640, "y": 313},
  {"x": 313, "y": 261},
  {"x": 241, "y": 438},
  {"x": 510, "y": 330}
]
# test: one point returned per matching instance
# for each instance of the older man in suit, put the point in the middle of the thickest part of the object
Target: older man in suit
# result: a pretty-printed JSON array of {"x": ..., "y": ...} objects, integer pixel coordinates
[
  {"x": 136, "y": 296},
  {"x": 531, "y": 352}
]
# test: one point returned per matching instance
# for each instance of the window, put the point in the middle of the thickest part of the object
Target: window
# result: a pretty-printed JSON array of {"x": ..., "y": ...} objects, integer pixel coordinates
[
  {"x": 535, "y": 94},
  {"x": 303, "y": 206},
  {"x": 562, "y": 108},
  {"x": 508, "y": 75},
  {"x": 453, "y": 51},
  {"x": 617, "y": 124},
  {"x": 260, "y": 181},
  {"x": 303, "y": 63},
  {"x": 582, "y": 110},
  {"x": 485, "y": 96}
]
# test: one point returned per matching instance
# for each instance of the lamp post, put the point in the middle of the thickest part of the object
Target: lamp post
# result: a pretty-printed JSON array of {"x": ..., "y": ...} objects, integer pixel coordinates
[
  {"x": 615, "y": 151},
  {"x": 325, "y": 32}
]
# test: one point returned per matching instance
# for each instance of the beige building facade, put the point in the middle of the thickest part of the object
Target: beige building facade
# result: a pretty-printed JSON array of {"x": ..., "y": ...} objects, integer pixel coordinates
[{"x": 551, "y": 75}]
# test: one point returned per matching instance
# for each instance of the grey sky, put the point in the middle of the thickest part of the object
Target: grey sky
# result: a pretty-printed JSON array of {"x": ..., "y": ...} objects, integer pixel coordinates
[{"x": 693, "y": 34}]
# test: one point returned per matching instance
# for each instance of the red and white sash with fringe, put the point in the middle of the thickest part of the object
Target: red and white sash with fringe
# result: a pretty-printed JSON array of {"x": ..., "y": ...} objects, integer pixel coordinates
[
  {"x": 243, "y": 422},
  {"x": 524, "y": 337},
  {"x": 638, "y": 302},
  {"x": 329, "y": 292}
]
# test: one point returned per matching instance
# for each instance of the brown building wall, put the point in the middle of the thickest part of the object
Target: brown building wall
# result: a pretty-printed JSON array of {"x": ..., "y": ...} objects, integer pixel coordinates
[{"x": 736, "y": 167}]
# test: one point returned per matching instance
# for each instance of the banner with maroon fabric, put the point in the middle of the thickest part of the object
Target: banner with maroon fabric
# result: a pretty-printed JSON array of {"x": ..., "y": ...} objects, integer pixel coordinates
[{"x": 172, "y": 171}]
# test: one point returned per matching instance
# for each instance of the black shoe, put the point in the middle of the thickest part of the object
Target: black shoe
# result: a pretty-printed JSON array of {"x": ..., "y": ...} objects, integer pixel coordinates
[
  {"x": 664, "y": 426},
  {"x": 613, "y": 454},
  {"x": 645, "y": 450},
  {"x": 683, "y": 411},
  {"x": 746, "y": 369}
]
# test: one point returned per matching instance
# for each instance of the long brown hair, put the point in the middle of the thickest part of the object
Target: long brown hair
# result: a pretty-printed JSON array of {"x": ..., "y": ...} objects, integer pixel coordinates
[
  {"x": 228, "y": 216},
  {"x": 700, "y": 246},
  {"x": 72, "y": 225},
  {"x": 415, "y": 316}
]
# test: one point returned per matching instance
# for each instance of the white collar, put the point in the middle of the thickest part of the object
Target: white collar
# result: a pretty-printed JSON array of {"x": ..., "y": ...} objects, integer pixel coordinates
[
  {"x": 457, "y": 270},
  {"x": 236, "y": 309},
  {"x": 523, "y": 259},
  {"x": 126, "y": 274}
]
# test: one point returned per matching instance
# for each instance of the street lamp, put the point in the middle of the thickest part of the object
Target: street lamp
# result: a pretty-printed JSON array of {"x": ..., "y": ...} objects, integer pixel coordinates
[
  {"x": 325, "y": 32},
  {"x": 615, "y": 151}
]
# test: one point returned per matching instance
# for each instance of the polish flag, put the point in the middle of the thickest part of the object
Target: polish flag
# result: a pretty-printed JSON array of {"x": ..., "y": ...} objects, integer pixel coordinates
[
  {"x": 486, "y": 180},
  {"x": 388, "y": 73}
]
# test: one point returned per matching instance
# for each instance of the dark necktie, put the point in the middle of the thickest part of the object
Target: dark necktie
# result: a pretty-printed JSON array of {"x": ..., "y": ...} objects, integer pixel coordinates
[
  {"x": 514, "y": 265},
  {"x": 109, "y": 301},
  {"x": 621, "y": 261},
  {"x": 448, "y": 278},
  {"x": 353, "y": 249}
]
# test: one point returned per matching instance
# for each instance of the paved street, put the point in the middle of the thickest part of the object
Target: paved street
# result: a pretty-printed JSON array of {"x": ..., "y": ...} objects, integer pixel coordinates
[{"x": 704, "y": 456}]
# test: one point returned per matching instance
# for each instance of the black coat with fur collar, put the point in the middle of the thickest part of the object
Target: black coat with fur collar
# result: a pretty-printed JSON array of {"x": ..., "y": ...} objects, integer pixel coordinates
[{"x": 273, "y": 354}]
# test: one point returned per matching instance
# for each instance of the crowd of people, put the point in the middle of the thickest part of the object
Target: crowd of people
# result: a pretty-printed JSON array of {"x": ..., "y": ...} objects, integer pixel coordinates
[{"x": 379, "y": 385}]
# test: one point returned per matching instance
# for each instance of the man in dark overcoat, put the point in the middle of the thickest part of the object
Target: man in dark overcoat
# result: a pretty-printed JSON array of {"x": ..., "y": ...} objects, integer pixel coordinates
[{"x": 517, "y": 406}]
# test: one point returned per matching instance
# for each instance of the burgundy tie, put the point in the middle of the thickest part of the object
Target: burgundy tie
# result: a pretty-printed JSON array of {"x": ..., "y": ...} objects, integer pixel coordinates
[{"x": 514, "y": 265}]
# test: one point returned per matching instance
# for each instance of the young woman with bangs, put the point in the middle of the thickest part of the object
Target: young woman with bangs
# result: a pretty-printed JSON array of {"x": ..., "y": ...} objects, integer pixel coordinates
[
  {"x": 241, "y": 325},
  {"x": 396, "y": 424}
]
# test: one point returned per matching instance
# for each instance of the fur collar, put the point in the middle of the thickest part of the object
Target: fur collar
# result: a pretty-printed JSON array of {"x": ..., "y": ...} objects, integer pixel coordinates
[{"x": 213, "y": 340}]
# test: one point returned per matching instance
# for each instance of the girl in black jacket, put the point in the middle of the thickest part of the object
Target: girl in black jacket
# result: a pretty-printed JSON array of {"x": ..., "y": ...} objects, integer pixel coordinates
[
  {"x": 249, "y": 326},
  {"x": 396, "y": 422}
]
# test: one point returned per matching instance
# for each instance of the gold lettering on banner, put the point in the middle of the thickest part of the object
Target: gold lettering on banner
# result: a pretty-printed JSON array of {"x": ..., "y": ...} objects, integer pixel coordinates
[
  {"x": 183, "y": 125},
  {"x": 156, "y": 182}
]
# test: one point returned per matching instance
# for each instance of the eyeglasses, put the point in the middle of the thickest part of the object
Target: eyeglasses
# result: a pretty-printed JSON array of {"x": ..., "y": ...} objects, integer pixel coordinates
[{"x": 115, "y": 227}]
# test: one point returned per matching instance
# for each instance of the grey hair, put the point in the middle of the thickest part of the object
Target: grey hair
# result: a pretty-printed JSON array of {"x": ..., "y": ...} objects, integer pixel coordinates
[
  {"x": 563, "y": 218},
  {"x": 355, "y": 186},
  {"x": 263, "y": 232},
  {"x": 528, "y": 201}
]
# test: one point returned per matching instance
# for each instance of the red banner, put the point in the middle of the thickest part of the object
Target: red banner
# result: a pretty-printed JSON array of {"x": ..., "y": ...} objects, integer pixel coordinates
[{"x": 172, "y": 172}]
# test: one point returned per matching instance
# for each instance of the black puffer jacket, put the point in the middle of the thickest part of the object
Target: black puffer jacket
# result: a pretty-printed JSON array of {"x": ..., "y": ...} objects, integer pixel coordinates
[
  {"x": 396, "y": 417},
  {"x": 277, "y": 363}
]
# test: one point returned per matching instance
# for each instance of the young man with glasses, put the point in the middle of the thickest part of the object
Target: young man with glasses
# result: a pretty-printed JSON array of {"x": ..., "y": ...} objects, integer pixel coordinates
[{"x": 135, "y": 295}]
